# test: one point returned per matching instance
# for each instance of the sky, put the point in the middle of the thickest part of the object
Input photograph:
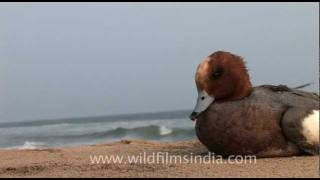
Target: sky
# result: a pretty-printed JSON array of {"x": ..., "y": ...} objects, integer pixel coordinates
[{"x": 61, "y": 60}]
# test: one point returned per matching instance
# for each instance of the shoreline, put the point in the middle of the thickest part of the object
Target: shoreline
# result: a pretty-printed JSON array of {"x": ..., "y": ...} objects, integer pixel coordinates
[{"x": 75, "y": 162}]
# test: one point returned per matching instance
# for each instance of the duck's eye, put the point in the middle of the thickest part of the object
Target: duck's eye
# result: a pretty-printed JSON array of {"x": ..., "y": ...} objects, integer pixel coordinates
[
  {"x": 202, "y": 98},
  {"x": 217, "y": 74}
]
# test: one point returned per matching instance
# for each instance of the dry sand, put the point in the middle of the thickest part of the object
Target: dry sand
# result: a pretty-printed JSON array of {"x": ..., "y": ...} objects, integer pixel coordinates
[{"x": 75, "y": 162}]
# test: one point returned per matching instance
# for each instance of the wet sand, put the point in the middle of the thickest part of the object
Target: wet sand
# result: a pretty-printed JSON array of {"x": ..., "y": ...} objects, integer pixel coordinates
[{"x": 76, "y": 162}]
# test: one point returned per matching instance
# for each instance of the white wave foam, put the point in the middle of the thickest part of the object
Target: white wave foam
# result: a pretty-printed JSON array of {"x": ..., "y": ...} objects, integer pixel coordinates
[
  {"x": 31, "y": 145},
  {"x": 164, "y": 130}
]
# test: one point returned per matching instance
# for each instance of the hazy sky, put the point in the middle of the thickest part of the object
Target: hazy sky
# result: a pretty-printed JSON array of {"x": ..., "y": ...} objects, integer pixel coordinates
[{"x": 84, "y": 59}]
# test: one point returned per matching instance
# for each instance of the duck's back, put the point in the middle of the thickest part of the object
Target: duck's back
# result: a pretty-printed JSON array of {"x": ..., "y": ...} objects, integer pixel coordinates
[{"x": 254, "y": 125}]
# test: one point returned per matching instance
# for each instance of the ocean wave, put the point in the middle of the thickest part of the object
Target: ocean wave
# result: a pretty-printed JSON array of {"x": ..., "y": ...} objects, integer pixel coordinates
[
  {"x": 164, "y": 130},
  {"x": 30, "y": 145},
  {"x": 56, "y": 136},
  {"x": 76, "y": 129},
  {"x": 146, "y": 132}
]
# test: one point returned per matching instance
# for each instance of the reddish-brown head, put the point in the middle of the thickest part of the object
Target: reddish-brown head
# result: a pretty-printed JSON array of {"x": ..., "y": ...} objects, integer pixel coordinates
[{"x": 221, "y": 77}]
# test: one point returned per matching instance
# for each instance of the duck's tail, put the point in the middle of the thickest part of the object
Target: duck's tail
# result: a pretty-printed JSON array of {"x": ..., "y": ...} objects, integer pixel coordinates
[{"x": 303, "y": 86}]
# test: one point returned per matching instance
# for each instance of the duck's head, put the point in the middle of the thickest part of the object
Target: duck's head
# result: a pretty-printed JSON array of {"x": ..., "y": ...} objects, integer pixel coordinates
[{"x": 221, "y": 77}]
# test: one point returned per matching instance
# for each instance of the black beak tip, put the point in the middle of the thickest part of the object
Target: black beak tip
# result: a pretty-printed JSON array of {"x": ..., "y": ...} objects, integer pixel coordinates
[{"x": 193, "y": 116}]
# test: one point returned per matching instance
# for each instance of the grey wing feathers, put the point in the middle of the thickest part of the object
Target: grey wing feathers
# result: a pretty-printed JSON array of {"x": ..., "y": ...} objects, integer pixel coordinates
[
  {"x": 299, "y": 104},
  {"x": 294, "y": 97},
  {"x": 293, "y": 129}
]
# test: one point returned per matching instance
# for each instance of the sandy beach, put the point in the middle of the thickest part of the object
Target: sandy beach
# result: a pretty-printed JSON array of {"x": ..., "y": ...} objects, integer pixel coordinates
[{"x": 77, "y": 162}]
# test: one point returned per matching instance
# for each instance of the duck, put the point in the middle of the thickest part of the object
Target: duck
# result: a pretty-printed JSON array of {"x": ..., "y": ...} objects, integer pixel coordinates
[{"x": 234, "y": 118}]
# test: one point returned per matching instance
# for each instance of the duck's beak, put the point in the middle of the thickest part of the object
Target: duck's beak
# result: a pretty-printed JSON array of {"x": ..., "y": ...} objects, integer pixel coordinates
[{"x": 203, "y": 102}]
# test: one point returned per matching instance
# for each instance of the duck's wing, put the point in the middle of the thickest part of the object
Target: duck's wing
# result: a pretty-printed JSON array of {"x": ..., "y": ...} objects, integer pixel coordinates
[
  {"x": 300, "y": 120},
  {"x": 301, "y": 127},
  {"x": 292, "y": 97}
]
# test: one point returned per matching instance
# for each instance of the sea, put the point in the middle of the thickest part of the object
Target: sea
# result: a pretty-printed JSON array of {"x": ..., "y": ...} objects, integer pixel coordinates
[{"x": 158, "y": 126}]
